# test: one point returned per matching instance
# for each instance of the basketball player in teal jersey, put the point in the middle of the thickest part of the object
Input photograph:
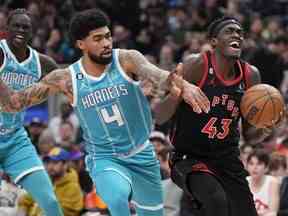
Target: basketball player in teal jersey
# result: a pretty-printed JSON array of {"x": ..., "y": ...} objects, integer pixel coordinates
[
  {"x": 20, "y": 67},
  {"x": 113, "y": 112}
]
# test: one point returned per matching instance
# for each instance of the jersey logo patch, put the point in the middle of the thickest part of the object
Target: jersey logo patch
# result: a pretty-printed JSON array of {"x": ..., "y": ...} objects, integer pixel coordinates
[
  {"x": 79, "y": 76},
  {"x": 211, "y": 71}
]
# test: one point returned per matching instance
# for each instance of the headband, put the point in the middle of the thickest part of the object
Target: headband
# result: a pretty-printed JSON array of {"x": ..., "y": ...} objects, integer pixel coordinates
[{"x": 221, "y": 25}]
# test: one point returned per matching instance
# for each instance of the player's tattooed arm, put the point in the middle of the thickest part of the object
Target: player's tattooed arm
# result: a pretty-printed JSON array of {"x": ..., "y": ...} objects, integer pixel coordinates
[
  {"x": 135, "y": 63},
  {"x": 58, "y": 81}
]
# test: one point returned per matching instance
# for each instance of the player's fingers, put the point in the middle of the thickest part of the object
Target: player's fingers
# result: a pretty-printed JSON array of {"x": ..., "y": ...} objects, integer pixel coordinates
[
  {"x": 204, "y": 101},
  {"x": 280, "y": 120},
  {"x": 193, "y": 103},
  {"x": 202, "y": 104}
]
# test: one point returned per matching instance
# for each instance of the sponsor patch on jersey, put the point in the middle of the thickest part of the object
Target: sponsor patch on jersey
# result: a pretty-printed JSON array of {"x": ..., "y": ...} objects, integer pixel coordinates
[{"x": 79, "y": 76}]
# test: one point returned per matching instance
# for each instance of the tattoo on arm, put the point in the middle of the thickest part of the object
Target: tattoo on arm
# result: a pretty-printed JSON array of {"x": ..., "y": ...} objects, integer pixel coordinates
[
  {"x": 144, "y": 69},
  {"x": 69, "y": 87},
  {"x": 14, "y": 101}
]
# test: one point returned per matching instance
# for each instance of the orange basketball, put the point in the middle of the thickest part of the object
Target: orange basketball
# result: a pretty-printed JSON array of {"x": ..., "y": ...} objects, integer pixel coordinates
[{"x": 261, "y": 105}]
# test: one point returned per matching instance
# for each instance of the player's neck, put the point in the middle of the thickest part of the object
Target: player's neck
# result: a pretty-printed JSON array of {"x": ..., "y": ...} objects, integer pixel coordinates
[
  {"x": 21, "y": 53},
  {"x": 93, "y": 68},
  {"x": 224, "y": 65}
]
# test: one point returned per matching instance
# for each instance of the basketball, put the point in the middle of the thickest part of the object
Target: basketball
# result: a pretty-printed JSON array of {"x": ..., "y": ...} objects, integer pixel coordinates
[{"x": 261, "y": 105}]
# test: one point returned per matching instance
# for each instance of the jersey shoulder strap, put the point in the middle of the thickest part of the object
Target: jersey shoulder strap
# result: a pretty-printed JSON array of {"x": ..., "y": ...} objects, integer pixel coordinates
[{"x": 246, "y": 68}]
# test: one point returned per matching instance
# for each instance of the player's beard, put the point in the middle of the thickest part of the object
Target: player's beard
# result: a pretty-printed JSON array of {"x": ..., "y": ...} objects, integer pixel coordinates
[{"x": 99, "y": 59}]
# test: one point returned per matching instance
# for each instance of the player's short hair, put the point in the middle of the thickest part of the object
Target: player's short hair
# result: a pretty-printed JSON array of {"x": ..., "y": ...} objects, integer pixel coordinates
[
  {"x": 218, "y": 24},
  {"x": 85, "y": 21},
  {"x": 261, "y": 155},
  {"x": 17, "y": 12}
]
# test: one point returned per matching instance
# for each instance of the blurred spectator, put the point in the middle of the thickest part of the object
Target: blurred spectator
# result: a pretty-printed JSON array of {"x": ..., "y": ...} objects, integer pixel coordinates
[
  {"x": 9, "y": 196},
  {"x": 166, "y": 60},
  {"x": 67, "y": 135},
  {"x": 121, "y": 37},
  {"x": 159, "y": 140},
  {"x": 265, "y": 188},
  {"x": 3, "y": 19},
  {"x": 273, "y": 29},
  {"x": 256, "y": 28},
  {"x": 282, "y": 148},
  {"x": 35, "y": 128},
  {"x": 245, "y": 150},
  {"x": 271, "y": 74},
  {"x": 283, "y": 207},
  {"x": 45, "y": 143},
  {"x": 278, "y": 166},
  {"x": 58, "y": 47},
  {"x": 66, "y": 184},
  {"x": 78, "y": 164},
  {"x": 143, "y": 41},
  {"x": 66, "y": 114}
]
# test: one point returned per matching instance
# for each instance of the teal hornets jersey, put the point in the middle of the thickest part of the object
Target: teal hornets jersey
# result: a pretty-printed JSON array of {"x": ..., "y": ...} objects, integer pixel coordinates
[
  {"x": 113, "y": 112},
  {"x": 17, "y": 75}
]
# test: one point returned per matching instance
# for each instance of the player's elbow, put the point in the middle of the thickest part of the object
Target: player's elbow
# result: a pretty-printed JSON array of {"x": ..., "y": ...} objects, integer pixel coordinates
[{"x": 12, "y": 104}]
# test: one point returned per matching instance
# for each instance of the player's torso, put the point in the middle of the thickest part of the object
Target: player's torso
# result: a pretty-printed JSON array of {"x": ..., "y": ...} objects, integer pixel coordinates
[
  {"x": 215, "y": 132},
  {"x": 113, "y": 112},
  {"x": 17, "y": 75}
]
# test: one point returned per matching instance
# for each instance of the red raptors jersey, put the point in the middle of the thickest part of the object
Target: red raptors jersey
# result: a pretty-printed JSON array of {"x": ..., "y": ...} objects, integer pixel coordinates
[{"x": 217, "y": 132}]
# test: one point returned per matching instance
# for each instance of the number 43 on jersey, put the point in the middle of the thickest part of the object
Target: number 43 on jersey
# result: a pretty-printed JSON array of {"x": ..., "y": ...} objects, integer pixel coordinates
[{"x": 213, "y": 132}]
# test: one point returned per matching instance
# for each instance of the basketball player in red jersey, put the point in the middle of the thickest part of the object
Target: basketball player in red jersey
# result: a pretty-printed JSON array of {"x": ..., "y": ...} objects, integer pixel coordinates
[{"x": 206, "y": 161}]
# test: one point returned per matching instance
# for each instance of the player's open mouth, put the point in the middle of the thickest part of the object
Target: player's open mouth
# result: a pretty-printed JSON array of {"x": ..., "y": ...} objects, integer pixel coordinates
[
  {"x": 235, "y": 45},
  {"x": 107, "y": 53},
  {"x": 19, "y": 38}
]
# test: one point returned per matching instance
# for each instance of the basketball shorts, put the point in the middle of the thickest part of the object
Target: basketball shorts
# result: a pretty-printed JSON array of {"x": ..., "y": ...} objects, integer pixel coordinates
[
  {"x": 228, "y": 170},
  {"x": 142, "y": 171},
  {"x": 18, "y": 156}
]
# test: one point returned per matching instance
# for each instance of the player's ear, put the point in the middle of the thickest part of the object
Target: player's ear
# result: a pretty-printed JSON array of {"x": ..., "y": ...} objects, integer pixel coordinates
[
  {"x": 213, "y": 41},
  {"x": 80, "y": 44}
]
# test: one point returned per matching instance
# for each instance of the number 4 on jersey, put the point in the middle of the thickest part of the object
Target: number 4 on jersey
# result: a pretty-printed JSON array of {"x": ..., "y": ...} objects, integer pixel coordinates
[
  {"x": 116, "y": 116},
  {"x": 212, "y": 130}
]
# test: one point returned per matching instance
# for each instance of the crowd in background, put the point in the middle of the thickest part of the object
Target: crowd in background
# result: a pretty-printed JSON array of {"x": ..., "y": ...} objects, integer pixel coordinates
[{"x": 165, "y": 31}]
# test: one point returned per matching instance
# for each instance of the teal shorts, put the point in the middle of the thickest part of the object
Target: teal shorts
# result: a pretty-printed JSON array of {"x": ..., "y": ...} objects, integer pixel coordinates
[
  {"x": 18, "y": 156},
  {"x": 142, "y": 171}
]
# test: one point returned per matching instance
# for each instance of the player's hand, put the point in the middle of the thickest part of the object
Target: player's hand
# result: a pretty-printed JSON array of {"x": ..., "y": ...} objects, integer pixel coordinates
[
  {"x": 190, "y": 93},
  {"x": 194, "y": 96},
  {"x": 282, "y": 118},
  {"x": 267, "y": 131}
]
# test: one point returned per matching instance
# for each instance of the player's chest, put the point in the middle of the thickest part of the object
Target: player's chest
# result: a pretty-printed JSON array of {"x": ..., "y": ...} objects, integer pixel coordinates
[
  {"x": 19, "y": 76},
  {"x": 224, "y": 99},
  {"x": 101, "y": 94}
]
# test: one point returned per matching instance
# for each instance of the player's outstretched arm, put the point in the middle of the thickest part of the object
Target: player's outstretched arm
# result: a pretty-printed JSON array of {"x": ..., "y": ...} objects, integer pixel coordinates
[
  {"x": 55, "y": 82},
  {"x": 134, "y": 62},
  {"x": 191, "y": 71}
]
